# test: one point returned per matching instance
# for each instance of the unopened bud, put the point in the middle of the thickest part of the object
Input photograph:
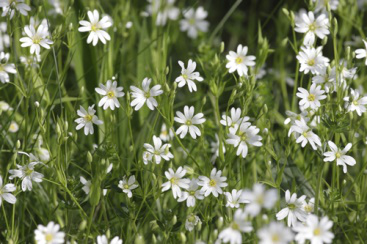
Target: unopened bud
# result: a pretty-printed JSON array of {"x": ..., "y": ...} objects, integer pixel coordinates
[
  {"x": 139, "y": 240},
  {"x": 89, "y": 157},
  {"x": 222, "y": 46},
  {"x": 37, "y": 104},
  {"x": 82, "y": 225},
  {"x": 18, "y": 145}
]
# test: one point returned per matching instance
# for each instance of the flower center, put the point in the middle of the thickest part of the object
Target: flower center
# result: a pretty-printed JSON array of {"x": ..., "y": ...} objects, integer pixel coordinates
[
  {"x": 110, "y": 94},
  {"x": 311, "y": 62},
  {"x": 275, "y": 238},
  {"x": 235, "y": 226},
  {"x": 188, "y": 122},
  {"x": 94, "y": 27},
  {"x": 338, "y": 155},
  {"x": 308, "y": 208},
  {"x": 355, "y": 103},
  {"x": 191, "y": 218},
  {"x": 317, "y": 231},
  {"x": 29, "y": 171},
  {"x": 192, "y": 21},
  {"x": 126, "y": 186},
  {"x": 49, "y": 237},
  {"x": 147, "y": 95},
  {"x": 37, "y": 39},
  {"x": 311, "y": 97},
  {"x": 88, "y": 118},
  {"x": 212, "y": 183},
  {"x": 312, "y": 27},
  {"x": 184, "y": 76},
  {"x": 239, "y": 60},
  {"x": 192, "y": 193},
  {"x": 260, "y": 199},
  {"x": 304, "y": 134},
  {"x": 291, "y": 206},
  {"x": 173, "y": 181}
]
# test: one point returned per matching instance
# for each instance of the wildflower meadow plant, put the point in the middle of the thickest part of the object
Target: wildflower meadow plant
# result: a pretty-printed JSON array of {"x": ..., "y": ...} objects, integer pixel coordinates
[{"x": 167, "y": 121}]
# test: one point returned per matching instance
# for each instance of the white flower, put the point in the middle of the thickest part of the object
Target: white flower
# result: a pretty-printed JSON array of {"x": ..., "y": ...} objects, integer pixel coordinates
[
  {"x": 111, "y": 94},
  {"x": 128, "y": 185},
  {"x": 191, "y": 194},
  {"x": 13, "y": 127},
  {"x": 355, "y": 102},
  {"x": 275, "y": 233},
  {"x": 259, "y": 198},
  {"x": 317, "y": 232},
  {"x": 294, "y": 209},
  {"x": 4, "y": 106},
  {"x": 86, "y": 184},
  {"x": 188, "y": 75},
  {"x": 311, "y": 60},
  {"x": 235, "y": 198},
  {"x": 175, "y": 181},
  {"x": 49, "y": 234},
  {"x": 10, "y": 6},
  {"x": 242, "y": 135},
  {"x": 4, "y": 37},
  {"x": 27, "y": 173},
  {"x": 36, "y": 39},
  {"x": 146, "y": 95},
  {"x": 339, "y": 156},
  {"x": 189, "y": 122},
  {"x": 103, "y": 240},
  {"x": 214, "y": 148},
  {"x": 240, "y": 223},
  {"x": 158, "y": 151},
  {"x": 239, "y": 61},
  {"x": 166, "y": 134},
  {"x": 96, "y": 27},
  {"x": 213, "y": 184},
  {"x": 304, "y": 134},
  {"x": 5, "y": 192},
  {"x": 321, "y": 5},
  {"x": 234, "y": 119},
  {"x": 31, "y": 61},
  {"x": 362, "y": 53},
  {"x": 310, "y": 99},
  {"x": 309, "y": 206},
  {"x": 164, "y": 9},
  {"x": 194, "y": 22},
  {"x": 191, "y": 221},
  {"x": 87, "y": 119},
  {"x": 312, "y": 27},
  {"x": 292, "y": 117},
  {"x": 329, "y": 80},
  {"x": 6, "y": 68}
]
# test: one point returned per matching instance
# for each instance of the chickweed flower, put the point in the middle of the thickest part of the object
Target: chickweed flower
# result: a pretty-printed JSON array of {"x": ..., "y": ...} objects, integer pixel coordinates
[
  {"x": 27, "y": 173},
  {"x": 166, "y": 134},
  {"x": 362, "y": 53},
  {"x": 234, "y": 119},
  {"x": 232, "y": 234},
  {"x": 191, "y": 194},
  {"x": 36, "y": 39},
  {"x": 164, "y": 9},
  {"x": 10, "y": 6},
  {"x": 242, "y": 135},
  {"x": 189, "y": 121},
  {"x": 6, "y": 192},
  {"x": 213, "y": 184},
  {"x": 311, "y": 99},
  {"x": 339, "y": 156},
  {"x": 355, "y": 102},
  {"x": 275, "y": 233},
  {"x": 111, "y": 94},
  {"x": 311, "y": 60},
  {"x": 309, "y": 206},
  {"x": 49, "y": 234},
  {"x": 6, "y": 68},
  {"x": 293, "y": 210},
  {"x": 86, "y": 184},
  {"x": 175, "y": 181},
  {"x": 191, "y": 221},
  {"x": 259, "y": 198},
  {"x": 194, "y": 22},
  {"x": 312, "y": 27},
  {"x": 127, "y": 185},
  {"x": 239, "y": 61},
  {"x": 304, "y": 134},
  {"x": 104, "y": 240},
  {"x": 157, "y": 152},
  {"x": 96, "y": 28},
  {"x": 188, "y": 75},
  {"x": 315, "y": 230},
  {"x": 235, "y": 198},
  {"x": 87, "y": 119},
  {"x": 321, "y": 5},
  {"x": 146, "y": 95},
  {"x": 214, "y": 148}
]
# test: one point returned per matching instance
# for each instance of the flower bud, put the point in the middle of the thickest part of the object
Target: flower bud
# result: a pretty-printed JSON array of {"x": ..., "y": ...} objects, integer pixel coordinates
[
  {"x": 139, "y": 239},
  {"x": 89, "y": 157}
]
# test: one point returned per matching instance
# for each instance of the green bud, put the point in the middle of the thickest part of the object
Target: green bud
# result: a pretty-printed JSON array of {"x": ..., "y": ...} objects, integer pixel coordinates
[
  {"x": 174, "y": 220},
  {"x": 82, "y": 225},
  {"x": 18, "y": 144},
  {"x": 183, "y": 237},
  {"x": 265, "y": 109},
  {"x": 167, "y": 70},
  {"x": 324, "y": 41},
  {"x": 284, "y": 42},
  {"x": 220, "y": 222},
  {"x": 66, "y": 126},
  {"x": 286, "y": 12},
  {"x": 154, "y": 239},
  {"x": 292, "y": 18},
  {"x": 348, "y": 53},
  {"x": 139, "y": 240},
  {"x": 222, "y": 46},
  {"x": 89, "y": 157},
  {"x": 108, "y": 233},
  {"x": 335, "y": 24},
  {"x": 167, "y": 87}
]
